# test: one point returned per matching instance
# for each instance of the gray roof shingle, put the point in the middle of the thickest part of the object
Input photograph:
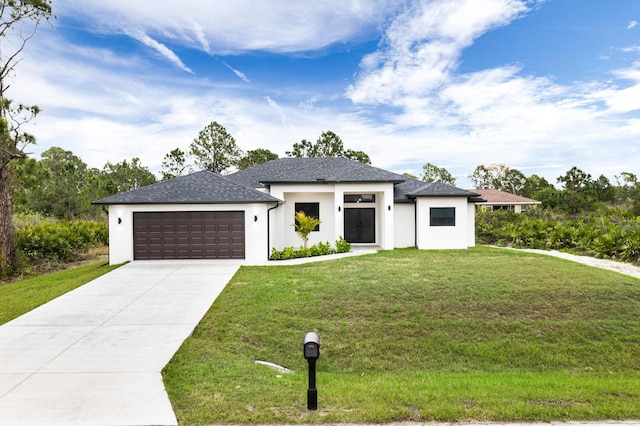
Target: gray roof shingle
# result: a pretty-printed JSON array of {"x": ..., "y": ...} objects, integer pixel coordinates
[
  {"x": 412, "y": 188},
  {"x": 203, "y": 187},
  {"x": 206, "y": 187},
  {"x": 313, "y": 170}
]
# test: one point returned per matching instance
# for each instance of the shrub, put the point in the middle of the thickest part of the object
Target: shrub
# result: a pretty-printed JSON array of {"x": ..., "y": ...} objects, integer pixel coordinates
[
  {"x": 288, "y": 253},
  {"x": 319, "y": 249},
  {"x": 60, "y": 241},
  {"x": 275, "y": 254},
  {"x": 617, "y": 237},
  {"x": 342, "y": 245}
]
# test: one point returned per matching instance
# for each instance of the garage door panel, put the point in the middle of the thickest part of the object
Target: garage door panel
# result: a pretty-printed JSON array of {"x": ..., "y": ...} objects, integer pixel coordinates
[{"x": 189, "y": 235}]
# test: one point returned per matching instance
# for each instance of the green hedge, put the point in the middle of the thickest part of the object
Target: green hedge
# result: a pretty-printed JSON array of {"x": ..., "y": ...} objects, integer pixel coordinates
[
  {"x": 320, "y": 249},
  {"x": 60, "y": 241},
  {"x": 612, "y": 237}
]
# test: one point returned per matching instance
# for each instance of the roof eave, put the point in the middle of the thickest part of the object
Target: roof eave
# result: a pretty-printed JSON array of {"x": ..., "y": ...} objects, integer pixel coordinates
[
  {"x": 110, "y": 203},
  {"x": 325, "y": 181}
]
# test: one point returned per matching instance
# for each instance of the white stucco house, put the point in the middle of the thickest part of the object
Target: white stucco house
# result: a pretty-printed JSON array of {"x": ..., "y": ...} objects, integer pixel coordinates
[{"x": 245, "y": 214}]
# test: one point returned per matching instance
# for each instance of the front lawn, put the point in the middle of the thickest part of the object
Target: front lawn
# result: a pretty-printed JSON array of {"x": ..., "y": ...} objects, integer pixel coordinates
[
  {"x": 480, "y": 334},
  {"x": 19, "y": 297}
]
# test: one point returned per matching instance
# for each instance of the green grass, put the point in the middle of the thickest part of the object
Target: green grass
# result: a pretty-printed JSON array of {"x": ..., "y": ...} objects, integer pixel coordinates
[
  {"x": 479, "y": 334},
  {"x": 19, "y": 297}
]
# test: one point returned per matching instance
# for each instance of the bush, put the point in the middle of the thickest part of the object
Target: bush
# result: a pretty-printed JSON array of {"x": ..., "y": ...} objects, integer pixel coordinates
[
  {"x": 342, "y": 245},
  {"x": 60, "y": 241},
  {"x": 616, "y": 237},
  {"x": 320, "y": 249}
]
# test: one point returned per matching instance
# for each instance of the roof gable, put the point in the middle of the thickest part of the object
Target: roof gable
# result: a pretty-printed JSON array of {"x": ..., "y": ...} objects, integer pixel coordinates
[
  {"x": 413, "y": 188},
  {"x": 202, "y": 187},
  {"x": 313, "y": 170}
]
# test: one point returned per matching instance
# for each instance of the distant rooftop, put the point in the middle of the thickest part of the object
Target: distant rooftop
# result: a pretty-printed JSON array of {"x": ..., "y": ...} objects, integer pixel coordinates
[{"x": 494, "y": 196}]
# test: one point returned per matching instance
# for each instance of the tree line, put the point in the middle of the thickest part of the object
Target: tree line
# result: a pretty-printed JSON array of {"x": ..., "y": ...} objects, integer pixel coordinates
[
  {"x": 577, "y": 191},
  {"x": 215, "y": 149},
  {"x": 62, "y": 185}
]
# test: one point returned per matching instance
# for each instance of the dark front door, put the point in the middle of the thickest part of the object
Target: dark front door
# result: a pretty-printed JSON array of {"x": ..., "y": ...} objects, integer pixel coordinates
[{"x": 360, "y": 225}]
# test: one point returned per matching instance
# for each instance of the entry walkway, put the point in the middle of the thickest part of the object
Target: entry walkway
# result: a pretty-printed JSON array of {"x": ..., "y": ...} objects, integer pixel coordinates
[{"x": 94, "y": 356}]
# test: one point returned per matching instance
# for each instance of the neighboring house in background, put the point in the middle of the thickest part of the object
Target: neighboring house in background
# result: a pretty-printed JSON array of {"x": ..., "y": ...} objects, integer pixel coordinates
[
  {"x": 499, "y": 200},
  {"x": 244, "y": 215}
]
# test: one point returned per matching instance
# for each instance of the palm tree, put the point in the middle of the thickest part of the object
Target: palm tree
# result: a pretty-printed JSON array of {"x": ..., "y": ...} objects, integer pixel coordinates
[{"x": 304, "y": 225}]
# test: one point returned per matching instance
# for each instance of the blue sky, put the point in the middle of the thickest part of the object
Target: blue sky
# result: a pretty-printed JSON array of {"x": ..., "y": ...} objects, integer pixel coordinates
[{"x": 540, "y": 86}]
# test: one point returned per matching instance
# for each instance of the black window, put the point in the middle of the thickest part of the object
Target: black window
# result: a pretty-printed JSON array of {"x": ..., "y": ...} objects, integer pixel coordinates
[
  {"x": 311, "y": 210},
  {"x": 442, "y": 216},
  {"x": 359, "y": 198}
]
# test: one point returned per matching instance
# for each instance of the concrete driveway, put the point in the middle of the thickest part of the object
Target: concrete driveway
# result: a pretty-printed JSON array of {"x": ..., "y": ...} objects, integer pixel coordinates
[{"x": 94, "y": 355}]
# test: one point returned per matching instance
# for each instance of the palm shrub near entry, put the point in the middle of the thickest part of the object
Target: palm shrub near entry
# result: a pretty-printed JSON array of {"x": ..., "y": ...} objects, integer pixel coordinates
[
  {"x": 304, "y": 225},
  {"x": 320, "y": 249}
]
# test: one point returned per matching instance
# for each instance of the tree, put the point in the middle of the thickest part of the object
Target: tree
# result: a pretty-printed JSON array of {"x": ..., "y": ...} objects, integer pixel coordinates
[
  {"x": 19, "y": 21},
  {"x": 61, "y": 192},
  {"x": 215, "y": 149},
  {"x": 125, "y": 176},
  {"x": 304, "y": 225},
  {"x": 481, "y": 178},
  {"x": 409, "y": 175},
  {"x": 174, "y": 164},
  {"x": 603, "y": 190},
  {"x": 328, "y": 144},
  {"x": 433, "y": 173},
  {"x": 359, "y": 156},
  {"x": 256, "y": 157},
  {"x": 577, "y": 191},
  {"x": 301, "y": 149},
  {"x": 498, "y": 176},
  {"x": 513, "y": 181},
  {"x": 538, "y": 188},
  {"x": 27, "y": 174},
  {"x": 626, "y": 181}
]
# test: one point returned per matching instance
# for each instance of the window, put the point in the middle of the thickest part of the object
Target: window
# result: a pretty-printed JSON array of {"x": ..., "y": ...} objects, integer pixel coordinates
[
  {"x": 442, "y": 216},
  {"x": 359, "y": 198},
  {"x": 311, "y": 210}
]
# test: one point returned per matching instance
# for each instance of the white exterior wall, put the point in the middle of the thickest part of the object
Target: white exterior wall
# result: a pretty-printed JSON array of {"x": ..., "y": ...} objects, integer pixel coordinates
[
  {"x": 471, "y": 225},
  {"x": 330, "y": 197},
  {"x": 121, "y": 234},
  {"x": 405, "y": 225},
  {"x": 442, "y": 237},
  {"x": 384, "y": 229}
]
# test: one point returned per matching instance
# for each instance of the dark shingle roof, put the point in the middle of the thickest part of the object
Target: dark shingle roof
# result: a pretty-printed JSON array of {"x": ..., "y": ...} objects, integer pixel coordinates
[
  {"x": 313, "y": 170},
  {"x": 203, "y": 187},
  {"x": 412, "y": 188}
]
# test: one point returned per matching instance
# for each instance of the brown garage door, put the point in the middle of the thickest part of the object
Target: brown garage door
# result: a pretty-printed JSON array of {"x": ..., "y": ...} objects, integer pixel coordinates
[{"x": 188, "y": 235}]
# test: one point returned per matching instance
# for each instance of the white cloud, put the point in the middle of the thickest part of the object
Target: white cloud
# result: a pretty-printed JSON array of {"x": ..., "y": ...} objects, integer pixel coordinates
[
  {"x": 239, "y": 25},
  {"x": 277, "y": 107},
  {"x": 160, "y": 48},
  {"x": 422, "y": 47},
  {"x": 242, "y": 76},
  {"x": 632, "y": 25},
  {"x": 412, "y": 105}
]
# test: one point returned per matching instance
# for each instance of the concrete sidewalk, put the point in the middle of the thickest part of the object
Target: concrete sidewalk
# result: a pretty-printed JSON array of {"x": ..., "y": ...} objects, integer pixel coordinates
[{"x": 94, "y": 355}]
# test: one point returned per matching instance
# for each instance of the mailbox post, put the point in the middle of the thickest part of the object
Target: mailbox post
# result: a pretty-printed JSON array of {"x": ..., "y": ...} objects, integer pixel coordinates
[{"x": 311, "y": 350}]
